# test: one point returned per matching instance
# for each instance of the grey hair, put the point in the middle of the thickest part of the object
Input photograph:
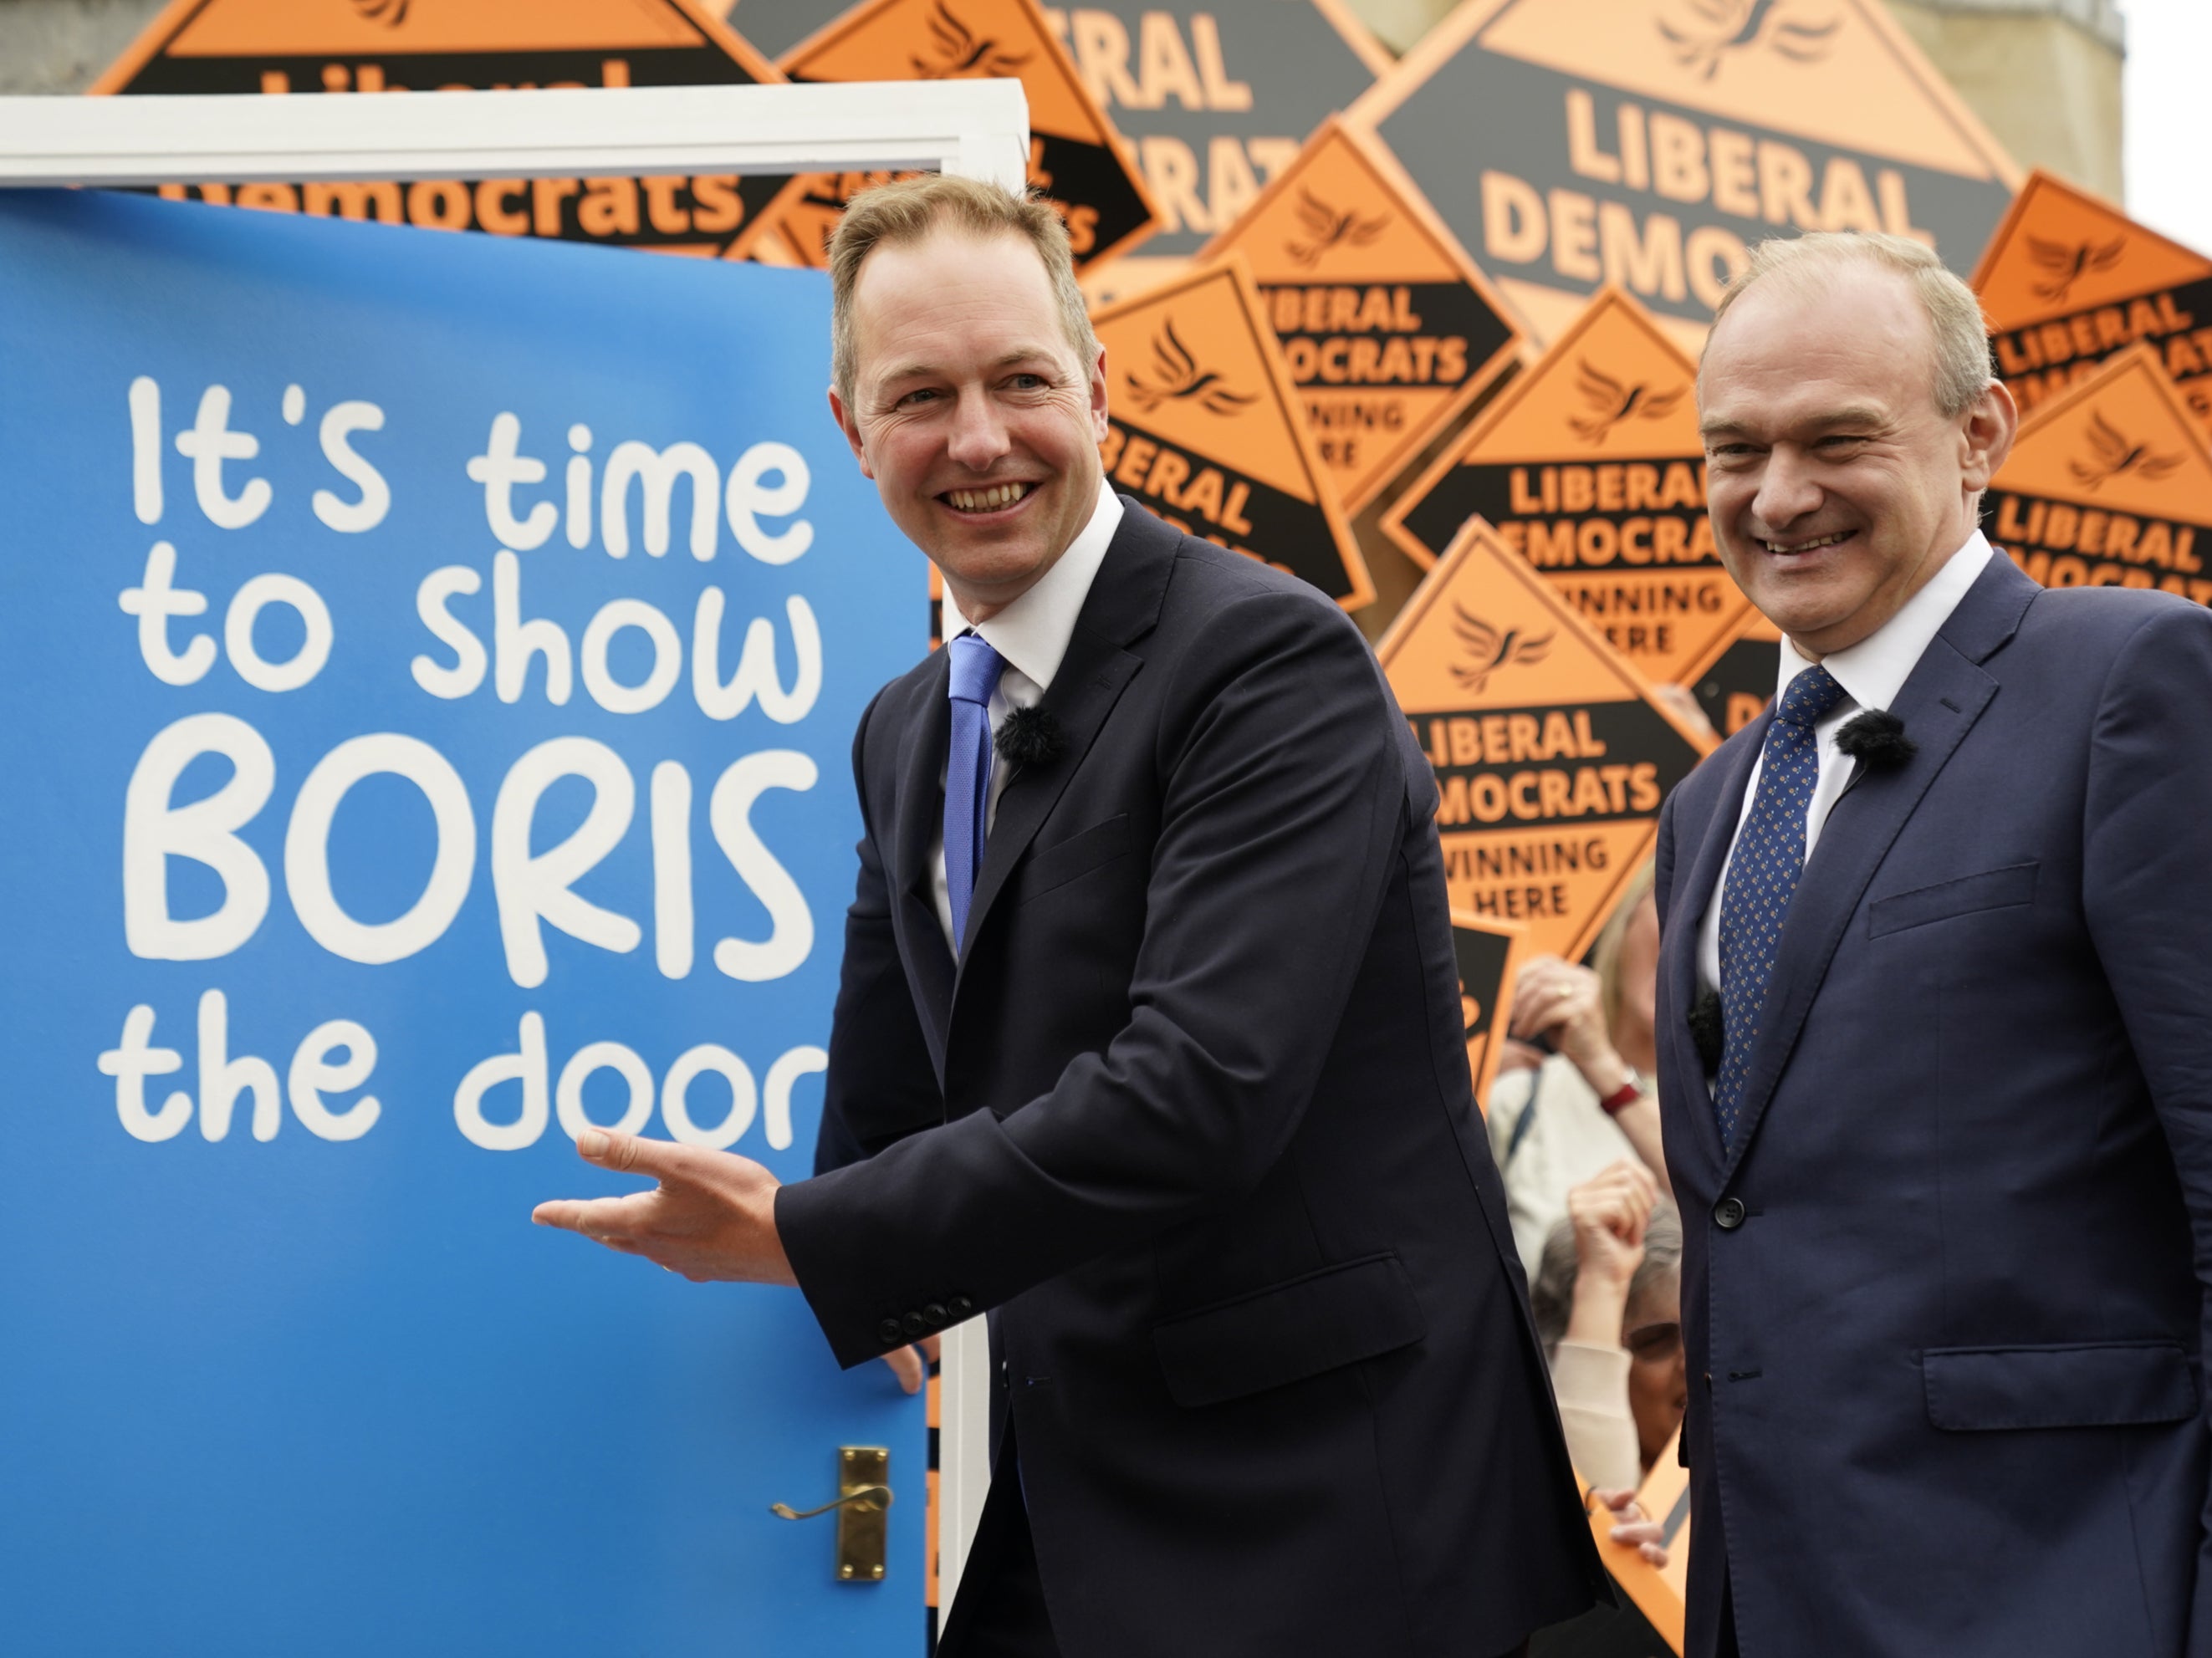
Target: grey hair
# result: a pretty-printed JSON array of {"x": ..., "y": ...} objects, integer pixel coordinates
[
  {"x": 1807, "y": 265},
  {"x": 907, "y": 210},
  {"x": 1551, "y": 1297}
]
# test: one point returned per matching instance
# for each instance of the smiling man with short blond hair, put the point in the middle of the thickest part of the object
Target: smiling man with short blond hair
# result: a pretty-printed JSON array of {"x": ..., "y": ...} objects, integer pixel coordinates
[
  {"x": 1148, "y": 1044},
  {"x": 1934, "y": 1061}
]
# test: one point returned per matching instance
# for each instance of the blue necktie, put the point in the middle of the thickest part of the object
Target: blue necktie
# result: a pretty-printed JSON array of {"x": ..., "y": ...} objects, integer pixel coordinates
[
  {"x": 1763, "y": 874},
  {"x": 975, "y": 675}
]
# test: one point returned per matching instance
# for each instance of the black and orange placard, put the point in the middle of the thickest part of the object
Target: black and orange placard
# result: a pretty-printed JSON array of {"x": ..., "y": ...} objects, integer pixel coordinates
[
  {"x": 1551, "y": 755},
  {"x": 2069, "y": 280},
  {"x": 1488, "y": 955},
  {"x": 1205, "y": 428},
  {"x": 1387, "y": 327},
  {"x": 2110, "y": 485},
  {"x": 1649, "y": 1617},
  {"x": 1590, "y": 465},
  {"x": 1734, "y": 680},
  {"x": 1216, "y": 96},
  {"x": 1075, "y": 157},
  {"x": 1571, "y": 143},
  {"x": 285, "y": 46},
  {"x": 1213, "y": 96}
]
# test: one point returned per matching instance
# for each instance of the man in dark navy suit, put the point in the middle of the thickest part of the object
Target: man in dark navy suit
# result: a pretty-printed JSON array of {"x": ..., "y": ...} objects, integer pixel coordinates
[
  {"x": 1148, "y": 1042},
  {"x": 1935, "y": 1026}
]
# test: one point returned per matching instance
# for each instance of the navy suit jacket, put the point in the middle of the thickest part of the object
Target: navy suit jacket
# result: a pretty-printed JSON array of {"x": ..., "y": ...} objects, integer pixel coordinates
[
  {"x": 1193, "y": 1114},
  {"x": 1944, "y": 1296}
]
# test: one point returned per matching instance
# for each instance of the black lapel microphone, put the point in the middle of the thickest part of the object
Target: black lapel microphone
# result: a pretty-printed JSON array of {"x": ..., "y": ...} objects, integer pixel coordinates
[
  {"x": 1030, "y": 738},
  {"x": 1877, "y": 740},
  {"x": 1709, "y": 1030}
]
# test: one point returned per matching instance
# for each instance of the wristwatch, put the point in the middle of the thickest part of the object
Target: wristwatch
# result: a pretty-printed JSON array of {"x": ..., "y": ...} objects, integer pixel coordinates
[{"x": 1624, "y": 1096}]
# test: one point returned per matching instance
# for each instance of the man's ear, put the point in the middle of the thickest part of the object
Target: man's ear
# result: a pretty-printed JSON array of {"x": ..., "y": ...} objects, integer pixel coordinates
[
  {"x": 846, "y": 424},
  {"x": 1986, "y": 437},
  {"x": 1098, "y": 396}
]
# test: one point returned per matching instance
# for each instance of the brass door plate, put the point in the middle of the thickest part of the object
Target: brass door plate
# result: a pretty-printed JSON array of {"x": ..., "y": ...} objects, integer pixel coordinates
[{"x": 864, "y": 1523}]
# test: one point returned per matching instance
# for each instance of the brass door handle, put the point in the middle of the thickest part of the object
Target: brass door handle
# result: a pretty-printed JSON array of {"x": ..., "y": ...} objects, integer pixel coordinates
[{"x": 864, "y": 1496}]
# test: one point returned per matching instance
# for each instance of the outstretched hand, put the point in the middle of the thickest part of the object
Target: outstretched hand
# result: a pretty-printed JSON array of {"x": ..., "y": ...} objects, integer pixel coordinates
[{"x": 711, "y": 1216}]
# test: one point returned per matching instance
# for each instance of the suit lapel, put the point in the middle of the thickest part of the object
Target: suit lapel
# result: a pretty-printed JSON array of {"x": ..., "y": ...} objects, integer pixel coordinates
[
  {"x": 1702, "y": 889},
  {"x": 1945, "y": 695},
  {"x": 919, "y": 818},
  {"x": 1123, "y": 604}
]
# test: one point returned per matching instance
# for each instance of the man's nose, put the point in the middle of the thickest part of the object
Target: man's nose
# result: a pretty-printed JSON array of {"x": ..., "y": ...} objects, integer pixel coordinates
[
  {"x": 1788, "y": 491},
  {"x": 979, "y": 436}
]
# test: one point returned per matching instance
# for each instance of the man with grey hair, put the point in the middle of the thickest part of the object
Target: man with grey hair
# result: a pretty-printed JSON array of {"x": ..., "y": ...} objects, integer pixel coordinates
[
  {"x": 1147, "y": 1043},
  {"x": 1936, "y": 1062}
]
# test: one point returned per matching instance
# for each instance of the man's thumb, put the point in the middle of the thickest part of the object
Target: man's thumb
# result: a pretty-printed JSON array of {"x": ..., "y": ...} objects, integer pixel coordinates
[{"x": 625, "y": 1152}]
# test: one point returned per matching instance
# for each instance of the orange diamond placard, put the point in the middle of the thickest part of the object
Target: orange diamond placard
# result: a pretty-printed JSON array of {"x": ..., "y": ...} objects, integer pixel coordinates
[
  {"x": 1076, "y": 158},
  {"x": 2069, "y": 280},
  {"x": 2110, "y": 485},
  {"x": 1387, "y": 327},
  {"x": 1488, "y": 954},
  {"x": 1551, "y": 755},
  {"x": 1647, "y": 144},
  {"x": 1205, "y": 427},
  {"x": 1590, "y": 467},
  {"x": 287, "y": 47}
]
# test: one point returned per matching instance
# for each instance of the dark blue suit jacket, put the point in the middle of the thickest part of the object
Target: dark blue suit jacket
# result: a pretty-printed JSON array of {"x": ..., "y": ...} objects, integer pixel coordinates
[
  {"x": 1194, "y": 1114},
  {"x": 1944, "y": 1294}
]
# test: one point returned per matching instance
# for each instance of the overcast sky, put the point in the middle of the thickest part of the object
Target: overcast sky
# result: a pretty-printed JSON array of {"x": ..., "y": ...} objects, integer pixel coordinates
[{"x": 2169, "y": 124}]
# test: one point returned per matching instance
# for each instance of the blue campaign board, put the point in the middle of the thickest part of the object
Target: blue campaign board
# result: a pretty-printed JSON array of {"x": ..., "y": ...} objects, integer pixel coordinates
[{"x": 373, "y": 818}]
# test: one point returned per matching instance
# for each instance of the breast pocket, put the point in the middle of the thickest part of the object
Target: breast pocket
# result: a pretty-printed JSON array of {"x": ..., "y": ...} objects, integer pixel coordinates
[
  {"x": 1993, "y": 889},
  {"x": 1056, "y": 865}
]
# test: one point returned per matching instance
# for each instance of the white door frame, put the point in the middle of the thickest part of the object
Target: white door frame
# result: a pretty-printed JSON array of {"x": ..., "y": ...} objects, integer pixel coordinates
[{"x": 979, "y": 128}]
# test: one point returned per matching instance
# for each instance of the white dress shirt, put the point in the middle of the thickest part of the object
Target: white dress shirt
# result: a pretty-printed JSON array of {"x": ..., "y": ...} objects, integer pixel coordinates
[
  {"x": 1032, "y": 634},
  {"x": 1871, "y": 672}
]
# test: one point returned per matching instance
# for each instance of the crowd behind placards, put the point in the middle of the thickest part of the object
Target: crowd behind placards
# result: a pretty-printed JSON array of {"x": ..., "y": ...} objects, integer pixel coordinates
[{"x": 1584, "y": 456}]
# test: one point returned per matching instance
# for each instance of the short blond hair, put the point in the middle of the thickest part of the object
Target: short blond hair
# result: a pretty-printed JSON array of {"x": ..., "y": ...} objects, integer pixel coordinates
[
  {"x": 1809, "y": 263},
  {"x": 907, "y": 210},
  {"x": 1604, "y": 954}
]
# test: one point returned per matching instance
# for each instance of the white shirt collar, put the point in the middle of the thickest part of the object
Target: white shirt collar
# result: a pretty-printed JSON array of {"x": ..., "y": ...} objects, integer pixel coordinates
[
  {"x": 1032, "y": 632},
  {"x": 1873, "y": 671}
]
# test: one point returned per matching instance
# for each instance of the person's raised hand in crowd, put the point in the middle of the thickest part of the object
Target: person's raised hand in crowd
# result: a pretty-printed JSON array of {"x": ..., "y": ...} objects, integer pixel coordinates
[
  {"x": 1563, "y": 1003},
  {"x": 1632, "y": 1528},
  {"x": 1608, "y": 1213},
  {"x": 1559, "y": 1001}
]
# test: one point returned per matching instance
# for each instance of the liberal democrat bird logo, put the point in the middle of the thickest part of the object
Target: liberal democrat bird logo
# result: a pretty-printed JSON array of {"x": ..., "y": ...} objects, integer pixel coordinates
[
  {"x": 2114, "y": 456},
  {"x": 1178, "y": 378},
  {"x": 960, "y": 51},
  {"x": 1326, "y": 227},
  {"x": 2068, "y": 266},
  {"x": 1488, "y": 650},
  {"x": 1733, "y": 26},
  {"x": 390, "y": 12},
  {"x": 1613, "y": 403}
]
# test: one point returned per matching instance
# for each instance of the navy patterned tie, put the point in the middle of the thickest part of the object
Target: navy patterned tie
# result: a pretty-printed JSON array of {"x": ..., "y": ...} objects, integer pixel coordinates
[
  {"x": 1762, "y": 877},
  {"x": 976, "y": 668}
]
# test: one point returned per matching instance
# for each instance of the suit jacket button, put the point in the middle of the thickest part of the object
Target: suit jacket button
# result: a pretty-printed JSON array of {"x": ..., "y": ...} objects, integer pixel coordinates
[
  {"x": 888, "y": 1332},
  {"x": 1728, "y": 1214},
  {"x": 936, "y": 1315},
  {"x": 960, "y": 1307},
  {"x": 914, "y": 1325}
]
